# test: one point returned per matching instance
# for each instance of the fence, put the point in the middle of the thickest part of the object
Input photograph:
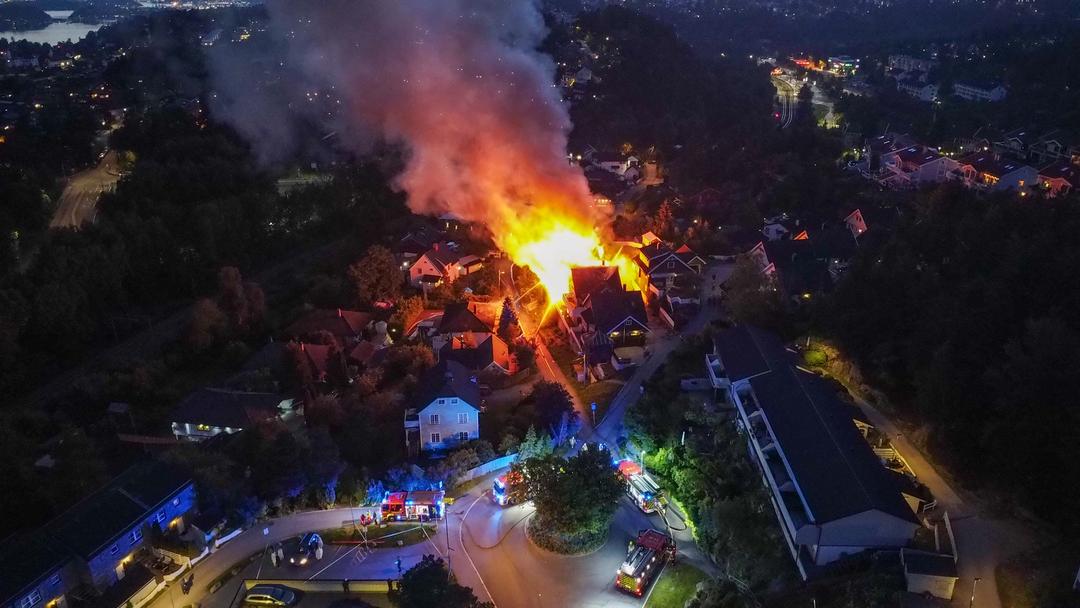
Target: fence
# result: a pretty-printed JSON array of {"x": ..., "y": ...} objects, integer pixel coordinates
[{"x": 487, "y": 467}]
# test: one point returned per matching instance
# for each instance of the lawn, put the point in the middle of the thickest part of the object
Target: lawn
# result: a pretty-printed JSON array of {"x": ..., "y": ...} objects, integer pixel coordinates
[
  {"x": 408, "y": 533},
  {"x": 601, "y": 393},
  {"x": 676, "y": 585}
]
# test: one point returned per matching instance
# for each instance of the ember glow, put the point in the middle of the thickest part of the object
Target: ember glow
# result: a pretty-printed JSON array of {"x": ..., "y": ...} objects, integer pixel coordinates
[{"x": 463, "y": 88}]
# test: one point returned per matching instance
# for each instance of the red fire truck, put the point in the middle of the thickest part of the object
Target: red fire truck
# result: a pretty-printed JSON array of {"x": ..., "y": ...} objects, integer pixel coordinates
[
  {"x": 644, "y": 561},
  {"x": 642, "y": 489},
  {"x": 420, "y": 505}
]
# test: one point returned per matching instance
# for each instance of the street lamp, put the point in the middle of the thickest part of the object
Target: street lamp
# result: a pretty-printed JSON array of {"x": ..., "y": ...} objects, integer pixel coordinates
[{"x": 974, "y": 583}]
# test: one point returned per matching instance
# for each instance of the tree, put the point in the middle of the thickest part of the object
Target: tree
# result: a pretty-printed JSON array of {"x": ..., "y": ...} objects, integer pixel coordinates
[
  {"x": 535, "y": 445},
  {"x": 575, "y": 499},
  {"x": 665, "y": 220},
  {"x": 550, "y": 402},
  {"x": 524, "y": 355},
  {"x": 753, "y": 297},
  {"x": 207, "y": 325},
  {"x": 428, "y": 585},
  {"x": 407, "y": 312},
  {"x": 507, "y": 321},
  {"x": 376, "y": 276}
]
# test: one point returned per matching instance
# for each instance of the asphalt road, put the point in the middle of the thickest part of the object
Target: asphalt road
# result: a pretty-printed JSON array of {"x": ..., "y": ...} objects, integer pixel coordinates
[
  {"x": 785, "y": 92},
  {"x": 78, "y": 203}
]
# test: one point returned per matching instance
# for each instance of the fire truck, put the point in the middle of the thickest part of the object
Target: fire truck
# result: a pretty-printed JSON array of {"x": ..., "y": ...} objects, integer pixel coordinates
[
  {"x": 643, "y": 490},
  {"x": 500, "y": 488},
  {"x": 644, "y": 561},
  {"x": 418, "y": 505}
]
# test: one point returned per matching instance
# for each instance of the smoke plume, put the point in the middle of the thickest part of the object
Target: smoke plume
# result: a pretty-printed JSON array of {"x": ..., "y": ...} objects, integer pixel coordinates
[{"x": 460, "y": 83}]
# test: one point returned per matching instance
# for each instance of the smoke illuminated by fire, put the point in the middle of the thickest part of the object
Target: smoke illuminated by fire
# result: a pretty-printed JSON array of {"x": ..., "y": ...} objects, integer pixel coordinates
[{"x": 462, "y": 85}]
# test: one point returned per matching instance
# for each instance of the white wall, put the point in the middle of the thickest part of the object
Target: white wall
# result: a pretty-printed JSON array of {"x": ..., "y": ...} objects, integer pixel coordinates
[{"x": 448, "y": 426}]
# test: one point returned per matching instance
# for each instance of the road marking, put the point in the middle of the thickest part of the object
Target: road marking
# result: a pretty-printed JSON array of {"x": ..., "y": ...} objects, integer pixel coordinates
[
  {"x": 330, "y": 565},
  {"x": 461, "y": 543}
]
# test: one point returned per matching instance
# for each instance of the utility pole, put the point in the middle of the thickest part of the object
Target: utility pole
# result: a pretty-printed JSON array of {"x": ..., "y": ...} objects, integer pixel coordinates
[
  {"x": 446, "y": 526},
  {"x": 974, "y": 583}
]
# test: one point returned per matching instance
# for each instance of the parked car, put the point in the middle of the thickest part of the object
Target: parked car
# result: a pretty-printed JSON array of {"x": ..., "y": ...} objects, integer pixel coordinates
[{"x": 275, "y": 596}]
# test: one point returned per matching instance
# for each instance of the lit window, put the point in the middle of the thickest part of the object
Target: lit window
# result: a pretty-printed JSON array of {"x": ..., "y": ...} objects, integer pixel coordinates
[
  {"x": 31, "y": 600},
  {"x": 463, "y": 418},
  {"x": 436, "y": 438},
  {"x": 433, "y": 419},
  {"x": 176, "y": 502},
  {"x": 135, "y": 535}
]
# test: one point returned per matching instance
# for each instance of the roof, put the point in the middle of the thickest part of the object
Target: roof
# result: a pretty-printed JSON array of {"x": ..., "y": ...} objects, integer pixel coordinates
[
  {"x": 88, "y": 527},
  {"x": 457, "y": 318},
  {"x": 1062, "y": 170},
  {"x": 442, "y": 256},
  {"x": 929, "y": 564},
  {"x": 917, "y": 155},
  {"x": 611, "y": 307},
  {"x": 25, "y": 560},
  {"x": 447, "y": 379},
  {"x": 834, "y": 467},
  {"x": 363, "y": 352},
  {"x": 226, "y": 408},
  {"x": 1025, "y": 136},
  {"x": 477, "y": 355},
  {"x": 984, "y": 162},
  {"x": 340, "y": 323},
  {"x": 747, "y": 351},
  {"x": 588, "y": 279}
]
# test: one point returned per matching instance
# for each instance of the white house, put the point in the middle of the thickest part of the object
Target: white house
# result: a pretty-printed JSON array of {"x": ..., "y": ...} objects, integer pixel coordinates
[
  {"x": 979, "y": 92},
  {"x": 916, "y": 165},
  {"x": 440, "y": 264},
  {"x": 983, "y": 170},
  {"x": 830, "y": 493},
  {"x": 447, "y": 409},
  {"x": 918, "y": 90}
]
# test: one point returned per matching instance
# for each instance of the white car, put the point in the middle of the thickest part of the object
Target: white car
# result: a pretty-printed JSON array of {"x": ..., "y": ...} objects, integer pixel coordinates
[{"x": 270, "y": 595}]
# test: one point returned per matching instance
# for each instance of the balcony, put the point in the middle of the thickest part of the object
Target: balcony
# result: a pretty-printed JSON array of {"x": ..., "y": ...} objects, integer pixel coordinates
[{"x": 717, "y": 375}]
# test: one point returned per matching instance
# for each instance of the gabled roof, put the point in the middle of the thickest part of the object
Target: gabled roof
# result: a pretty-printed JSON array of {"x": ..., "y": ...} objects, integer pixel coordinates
[
  {"x": 363, "y": 353},
  {"x": 225, "y": 408},
  {"x": 339, "y": 323},
  {"x": 586, "y": 280},
  {"x": 92, "y": 525},
  {"x": 611, "y": 308},
  {"x": 918, "y": 155},
  {"x": 457, "y": 318},
  {"x": 26, "y": 559},
  {"x": 746, "y": 351},
  {"x": 447, "y": 379},
  {"x": 1062, "y": 170},
  {"x": 833, "y": 466},
  {"x": 318, "y": 357},
  {"x": 477, "y": 351},
  {"x": 984, "y": 162},
  {"x": 442, "y": 257}
]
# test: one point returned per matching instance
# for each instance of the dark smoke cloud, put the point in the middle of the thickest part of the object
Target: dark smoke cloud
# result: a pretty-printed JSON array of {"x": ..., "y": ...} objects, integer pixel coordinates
[{"x": 459, "y": 82}]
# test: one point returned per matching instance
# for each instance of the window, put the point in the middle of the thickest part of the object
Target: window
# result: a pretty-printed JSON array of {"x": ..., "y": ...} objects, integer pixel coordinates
[
  {"x": 671, "y": 264},
  {"x": 463, "y": 436},
  {"x": 441, "y": 402},
  {"x": 161, "y": 515},
  {"x": 436, "y": 438},
  {"x": 176, "y": 502},
  {"x": 54, "y": 580},
  {"x": 463, "y": 418},
  {"x": 113, "y": 550},
  {"x": 135, "y": 535},
  {"x": 433, "y": 419},
  {"x": 31, "y": 600}
]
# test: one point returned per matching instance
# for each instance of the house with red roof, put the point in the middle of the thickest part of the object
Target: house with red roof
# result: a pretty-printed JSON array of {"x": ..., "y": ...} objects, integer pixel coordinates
[{"x": 1059, "y": 178}]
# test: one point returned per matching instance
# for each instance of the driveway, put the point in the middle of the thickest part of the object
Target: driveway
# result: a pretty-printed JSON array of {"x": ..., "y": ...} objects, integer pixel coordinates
[{"x": 982, "y": 542}]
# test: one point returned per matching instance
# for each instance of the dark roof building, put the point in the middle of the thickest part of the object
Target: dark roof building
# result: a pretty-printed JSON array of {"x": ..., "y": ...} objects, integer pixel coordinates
[
  {"x": 342, "y": 324},
  {"x": 209, "y": 411},
  {"x": 585, "y": 280},
  {"x": 445, "y": 380},
  {"x": 832, "y": 494},
  {"x": 28, "y": 562},
  {"x": 457, "y": 318}
]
